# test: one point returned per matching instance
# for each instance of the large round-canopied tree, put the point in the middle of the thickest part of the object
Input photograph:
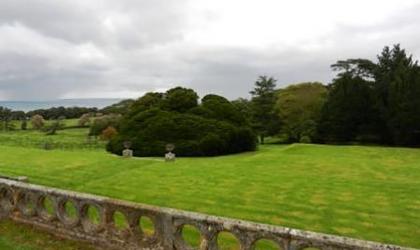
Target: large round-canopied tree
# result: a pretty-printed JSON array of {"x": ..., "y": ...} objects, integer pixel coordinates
[
  {"x": 214, "y": 127},
  {"x": 299, "y": 107}
]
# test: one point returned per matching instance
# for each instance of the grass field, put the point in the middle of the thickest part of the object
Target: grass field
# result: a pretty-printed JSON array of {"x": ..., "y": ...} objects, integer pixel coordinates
[
  {"x": 369, "y": 193},
  {"x": 66, "y": 122},
  {"x": 67, "y": 139},
  {"x": 22, "y": 237}
]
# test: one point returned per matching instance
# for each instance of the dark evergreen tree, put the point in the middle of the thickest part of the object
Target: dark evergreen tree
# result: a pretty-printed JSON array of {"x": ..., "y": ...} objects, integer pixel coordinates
[
  {"x": 265, "y": 120},
  {"x": 377, "y": 102},
  {"x": 220, "y": 108},
  {"x": 348, "y": 114},
  {"x": 244, "y": 107},
  {"x": 180, "y": 99},
  {"x": 175, "y": 117},
  {"x": 147, "y": 101},
  {"x": 397, "y": 88}
]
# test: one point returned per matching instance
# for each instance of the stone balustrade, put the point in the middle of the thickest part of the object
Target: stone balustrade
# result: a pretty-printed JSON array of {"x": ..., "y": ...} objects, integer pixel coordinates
[{"x": 48, "y": 209}]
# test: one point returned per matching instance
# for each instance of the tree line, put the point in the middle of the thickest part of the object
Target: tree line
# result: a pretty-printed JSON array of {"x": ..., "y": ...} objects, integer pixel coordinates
[
  {"x": 375, "y": 102},
  {"x": 367, "y": 102}
]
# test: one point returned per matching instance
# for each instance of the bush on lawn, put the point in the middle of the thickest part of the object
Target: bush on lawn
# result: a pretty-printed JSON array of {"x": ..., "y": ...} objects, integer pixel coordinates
[
  {"x": 157, "y": 119},
  {"x": 99, "y": 124}
]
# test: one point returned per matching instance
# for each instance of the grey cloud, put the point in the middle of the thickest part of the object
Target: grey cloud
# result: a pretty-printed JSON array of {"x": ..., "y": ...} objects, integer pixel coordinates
[
  {"x": 51, "y": 49},
  {"x": 139, "y": 22}
]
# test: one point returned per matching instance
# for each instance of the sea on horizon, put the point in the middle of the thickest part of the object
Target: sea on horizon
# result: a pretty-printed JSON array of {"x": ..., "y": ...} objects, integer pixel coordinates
[{"x": 33, "y": 105}]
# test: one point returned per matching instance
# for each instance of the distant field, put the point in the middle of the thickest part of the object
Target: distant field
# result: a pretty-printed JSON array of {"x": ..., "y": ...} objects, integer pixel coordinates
[
  {"x": 68, "y": 139},
  {"x": 65, "y": 122},
  {"x": 369, "y": 193}
]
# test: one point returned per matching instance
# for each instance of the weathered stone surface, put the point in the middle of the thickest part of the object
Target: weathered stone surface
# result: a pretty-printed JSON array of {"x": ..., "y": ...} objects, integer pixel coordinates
[
  {"x": 19, "y": 178},
  {"x": 127, "y": 153},
  {"x": 170, "y": 156},
  {"x": 25, "y": 203}
]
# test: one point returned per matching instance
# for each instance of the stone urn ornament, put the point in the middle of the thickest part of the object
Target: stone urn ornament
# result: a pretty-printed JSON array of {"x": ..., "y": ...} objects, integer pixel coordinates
[
  {"x": 169, "y": 156},
  {"x": 127, "y": 152}
]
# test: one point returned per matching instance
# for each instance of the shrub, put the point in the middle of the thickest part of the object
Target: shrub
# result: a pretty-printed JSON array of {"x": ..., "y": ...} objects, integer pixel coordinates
[
  {"x": 180, "y": 99},
  {"x": 37, "y": 121},
  {"x": 108, "y": 133},
  {"x": 85, "y": 119},
  {"x": 194, "y": 130},
  {"x": 212, "y": 144},
  {"x": 24, "y": 125},
  {"x": 101, "y": 123},
  {"x": 305, "y": 139}
]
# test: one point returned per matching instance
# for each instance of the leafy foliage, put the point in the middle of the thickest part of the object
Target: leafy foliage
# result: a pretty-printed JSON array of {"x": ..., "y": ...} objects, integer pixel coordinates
[
  {"x": 56, "y": 112},
  {"x": 244, "y": 107},
  {"x": 37, "y": 121},
  {"x": 265, "y": 120},
  {"x": 180, "y": 99},
  {"x": 101, "y": 123},
  {"x": 349, "y": 113},
  {"x": 375, "y": 102},
  {"x": 6, "y": 116},
  {"x": 85, "y": 119},
  {"x": 24, "y": 125},
  {"x": 299, "y": 107},
  {"x": 397, "y": 89},
  {"x": 156, "y": 119},
  {"x": 108, "y": 133}
]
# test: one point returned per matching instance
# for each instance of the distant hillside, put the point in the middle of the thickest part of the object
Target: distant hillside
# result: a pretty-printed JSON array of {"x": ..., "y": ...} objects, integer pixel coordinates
[{"x": 32, "y": 105}]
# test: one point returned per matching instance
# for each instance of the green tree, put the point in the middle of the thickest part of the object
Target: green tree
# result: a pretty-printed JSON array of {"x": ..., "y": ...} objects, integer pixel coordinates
[
  {"x": 244, "y": 107},
  {"x": 397, "y": 88},
  {"x": 24, "y": 125},
  {"x": 265, "y": 120},
  {"x": 108, "y": 133},
  {"x": 85, "y": 119},
  {"x": 18, "y": 115},
  {"x": 394, "y": 98},
  {"x": 211, "y": 128},
  {"x": 349, "y": 113},
  {"x": 147, "y": 101},
  {"x": 180, "y": 99},
  {"x": 299, "y": 107},
  {"x": 221, "y": 108},
  {"x": 5, "y": 118},
  {"x": 99, "y": 124}
]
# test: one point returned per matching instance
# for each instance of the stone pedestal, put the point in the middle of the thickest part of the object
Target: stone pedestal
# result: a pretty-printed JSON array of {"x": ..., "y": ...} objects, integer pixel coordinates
[
  {"x": 127, "y": 153},
  {"x": 170, "y": 156}
]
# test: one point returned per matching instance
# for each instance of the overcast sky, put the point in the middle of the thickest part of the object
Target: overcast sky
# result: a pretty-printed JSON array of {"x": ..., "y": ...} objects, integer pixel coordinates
[{"x": 53, "y": 49}]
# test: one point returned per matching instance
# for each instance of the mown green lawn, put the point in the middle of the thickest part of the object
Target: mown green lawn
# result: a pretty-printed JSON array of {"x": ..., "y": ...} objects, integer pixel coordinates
[
  {"x": 370, "y": 193},
  {"x": 22, "y": 237}
]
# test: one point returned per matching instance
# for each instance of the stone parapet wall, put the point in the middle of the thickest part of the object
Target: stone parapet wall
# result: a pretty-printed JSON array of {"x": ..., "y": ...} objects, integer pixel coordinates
[{"x": 28, "y": 203}]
